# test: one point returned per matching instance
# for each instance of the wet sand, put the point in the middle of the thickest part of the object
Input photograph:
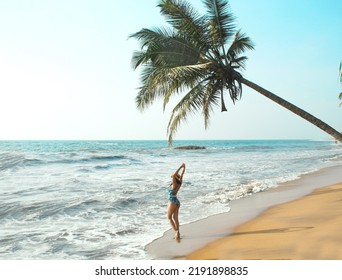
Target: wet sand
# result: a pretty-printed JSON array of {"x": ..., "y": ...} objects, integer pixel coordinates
[{"x": 214, "y": 237}]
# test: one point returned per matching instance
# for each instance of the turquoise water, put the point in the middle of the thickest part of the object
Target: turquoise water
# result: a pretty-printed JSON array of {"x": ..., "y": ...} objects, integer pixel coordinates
[{"x": 107, "y": 199}]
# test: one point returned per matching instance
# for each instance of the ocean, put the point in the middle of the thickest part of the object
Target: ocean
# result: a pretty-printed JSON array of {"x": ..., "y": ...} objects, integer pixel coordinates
[{"x": 107, "y": 199}]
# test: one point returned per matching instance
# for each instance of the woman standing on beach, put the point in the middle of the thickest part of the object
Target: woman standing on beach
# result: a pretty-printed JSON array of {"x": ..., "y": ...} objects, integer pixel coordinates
[{"x": 174, "y": 204}]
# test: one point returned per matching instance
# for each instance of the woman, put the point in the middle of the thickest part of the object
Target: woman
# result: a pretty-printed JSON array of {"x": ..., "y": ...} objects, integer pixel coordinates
[{"x": 174, "y": 204}]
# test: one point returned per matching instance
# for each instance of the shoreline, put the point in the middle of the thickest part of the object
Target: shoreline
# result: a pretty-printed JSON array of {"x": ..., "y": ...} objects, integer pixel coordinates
[{"x": 198, "y": 234}]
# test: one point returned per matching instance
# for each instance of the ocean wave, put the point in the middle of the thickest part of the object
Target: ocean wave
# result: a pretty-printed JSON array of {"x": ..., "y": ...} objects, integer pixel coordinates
[
  {"x": 83, "y": 207},
  {"x": 104, "y": 158},
  {"x": 32, "y": 211},
  {"x": 10, "y": 161},
  {"x": 126, "y": 231},
  {"x": 104, "y": 167},
  {"x": 45, "y": 210},
  {"x": 112, "y": 161},
  {"x": 87, "y": 159},
  {"x": 125, "y": 202}
]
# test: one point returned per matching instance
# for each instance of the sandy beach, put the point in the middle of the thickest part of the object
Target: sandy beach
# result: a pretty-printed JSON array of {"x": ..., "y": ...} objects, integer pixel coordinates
[
  {"x": 301, "y": 219},
  {"x": 308, "y": 228}
]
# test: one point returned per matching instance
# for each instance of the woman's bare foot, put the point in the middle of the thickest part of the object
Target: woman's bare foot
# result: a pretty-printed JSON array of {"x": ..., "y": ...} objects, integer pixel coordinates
[{"x": 177, "y": 236}]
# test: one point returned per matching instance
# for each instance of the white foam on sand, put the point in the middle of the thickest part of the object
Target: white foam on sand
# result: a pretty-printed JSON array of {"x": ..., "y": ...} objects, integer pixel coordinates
[{"x": 199, "y": 233}]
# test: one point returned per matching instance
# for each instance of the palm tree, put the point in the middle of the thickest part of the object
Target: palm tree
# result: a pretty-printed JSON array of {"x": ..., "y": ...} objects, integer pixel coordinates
[{"x": 199, "y": 56}]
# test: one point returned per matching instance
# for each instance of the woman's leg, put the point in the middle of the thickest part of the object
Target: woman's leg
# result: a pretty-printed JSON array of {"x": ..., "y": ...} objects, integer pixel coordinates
[
  {"x": 171, "y": 208},
  {"x": 176, "y": 221}
]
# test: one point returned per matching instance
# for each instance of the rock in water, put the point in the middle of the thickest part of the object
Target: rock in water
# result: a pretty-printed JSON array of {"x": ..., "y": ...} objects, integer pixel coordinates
[{"x": 190, "y": 147}]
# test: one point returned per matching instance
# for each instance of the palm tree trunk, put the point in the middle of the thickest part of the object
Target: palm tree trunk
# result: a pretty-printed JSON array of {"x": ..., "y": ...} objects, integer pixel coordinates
[{"x": 298, "y": 111}]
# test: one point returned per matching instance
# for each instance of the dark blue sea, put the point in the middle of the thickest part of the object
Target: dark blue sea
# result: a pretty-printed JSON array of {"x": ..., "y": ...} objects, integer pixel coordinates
[{"x": 107, "y": 199}]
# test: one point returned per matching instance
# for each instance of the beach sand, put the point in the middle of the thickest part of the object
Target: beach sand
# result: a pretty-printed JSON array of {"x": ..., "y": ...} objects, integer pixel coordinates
[
  {"x": 308, "y": 228},
  {"x": 297, "y": 220}
]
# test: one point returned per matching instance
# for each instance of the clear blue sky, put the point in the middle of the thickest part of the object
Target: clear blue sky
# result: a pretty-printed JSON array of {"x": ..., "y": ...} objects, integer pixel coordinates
[{"x": 65, "y": 70}]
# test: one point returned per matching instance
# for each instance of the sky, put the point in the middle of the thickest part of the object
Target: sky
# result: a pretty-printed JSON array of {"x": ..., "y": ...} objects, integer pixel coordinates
[{"x": 66, "y": 74}]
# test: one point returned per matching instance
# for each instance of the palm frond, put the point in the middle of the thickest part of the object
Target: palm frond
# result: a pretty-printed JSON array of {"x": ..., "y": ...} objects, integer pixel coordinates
[
  {"x": 190, "y": 103},
  {"x": 146, "y": 36},
  {"x": 147, "y": 94},
  {"x": 221, "y": 21},
  {"x": 156, "y": 83},
  {"x": 183, "y": 17},
  {"x": 239, "y": 62},
  {"x": 165, "y": 82},
  {"x": 183, "y": 78},
  {"x": 211, "y": 99},
  {"x": 235, "y": 89},
  {"x": 161, "y": 48},
  {"x": 240, "y": 44}
]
